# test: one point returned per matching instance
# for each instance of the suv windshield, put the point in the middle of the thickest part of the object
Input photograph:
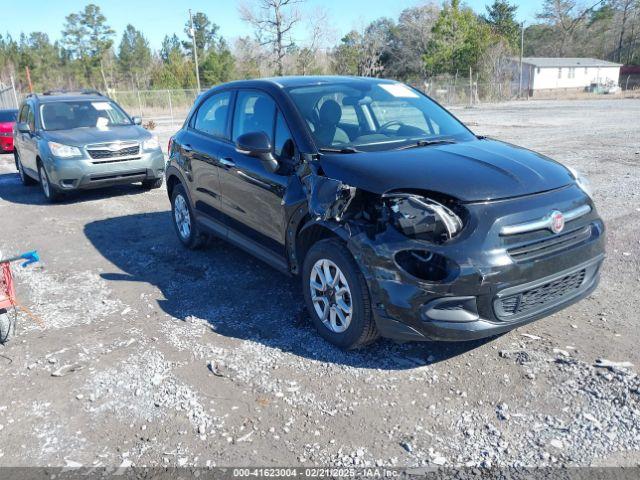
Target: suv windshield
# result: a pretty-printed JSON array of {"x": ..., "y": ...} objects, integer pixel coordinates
[
  {"x": 363, "y": 115},
  {"x": 78, "y": 114}
]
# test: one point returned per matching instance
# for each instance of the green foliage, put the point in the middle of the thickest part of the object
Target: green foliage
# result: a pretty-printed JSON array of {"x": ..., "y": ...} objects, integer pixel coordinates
[
  {"x": 134, "y": 56},
  {"x": 501, "y": 17},
  {"x": 86, "y": 38},
  {"x": 458, "y": 42}
]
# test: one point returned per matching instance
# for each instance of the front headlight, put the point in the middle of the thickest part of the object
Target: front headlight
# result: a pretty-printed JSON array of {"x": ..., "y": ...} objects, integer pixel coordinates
[
  {"x": 151, "y": 143},
  {"x": 64, "y": 151},
  {"x": 421, "y": 217},
  {"x": 582, "y": 181}
]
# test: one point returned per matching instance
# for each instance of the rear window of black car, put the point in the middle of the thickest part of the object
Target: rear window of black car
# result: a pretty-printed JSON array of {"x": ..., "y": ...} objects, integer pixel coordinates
[{"x": 8, "y": 115}]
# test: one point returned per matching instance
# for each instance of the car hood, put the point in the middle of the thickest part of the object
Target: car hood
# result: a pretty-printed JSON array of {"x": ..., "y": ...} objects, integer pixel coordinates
[
  {"x": 80, "y": 137},
  {"x": 477, "y": 170}
]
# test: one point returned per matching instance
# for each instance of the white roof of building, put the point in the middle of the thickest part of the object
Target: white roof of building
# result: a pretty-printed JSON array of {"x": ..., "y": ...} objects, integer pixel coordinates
[{"x": 558, "y": 62}]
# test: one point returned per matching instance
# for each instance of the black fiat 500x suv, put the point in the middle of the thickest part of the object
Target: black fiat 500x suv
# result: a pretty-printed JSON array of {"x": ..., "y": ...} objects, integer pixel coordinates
[{"x": 399, "y": 220}]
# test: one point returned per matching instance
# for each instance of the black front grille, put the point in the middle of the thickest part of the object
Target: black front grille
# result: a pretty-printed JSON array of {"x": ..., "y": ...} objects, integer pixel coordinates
[
  {"x": 123, "y": 152},
  {"x": 548, "y": 245},
  {"x": 540, "y": 297}
]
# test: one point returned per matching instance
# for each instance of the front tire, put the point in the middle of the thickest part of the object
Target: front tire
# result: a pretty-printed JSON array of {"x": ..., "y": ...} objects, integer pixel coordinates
[
  {"x": 337, "y": 296},
  {"x": 152, "y": 184},
  {"x": 50, "y": 192},
  {"x": 7, "y": 326},
  {"x": 26, "y": 180},
  {"x": 187, "y": 229}
]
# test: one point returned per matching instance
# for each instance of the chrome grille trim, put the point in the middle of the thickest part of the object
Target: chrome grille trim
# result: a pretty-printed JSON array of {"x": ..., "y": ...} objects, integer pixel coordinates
[{"x": 545, "y": 222}]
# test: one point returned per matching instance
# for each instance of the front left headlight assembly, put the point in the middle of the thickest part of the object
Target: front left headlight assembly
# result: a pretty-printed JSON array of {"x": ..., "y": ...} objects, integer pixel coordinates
[
  {"x": 582, "y": 181},
  {"x": 151, "y": 143},
  {"x": 64, "y": 151},
  {"x": 423, "y": 218}
]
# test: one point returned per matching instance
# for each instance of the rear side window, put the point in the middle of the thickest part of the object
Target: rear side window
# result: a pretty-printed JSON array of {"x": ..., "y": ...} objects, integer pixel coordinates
[
  {"x": 212, "y": 115},
  {"x": 255, "y": 112},
  {"x": 23, "y": 114}
]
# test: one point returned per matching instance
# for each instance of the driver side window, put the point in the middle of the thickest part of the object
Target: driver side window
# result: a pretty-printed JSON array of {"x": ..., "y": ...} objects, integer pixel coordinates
[{"x": 255, "y": 112}]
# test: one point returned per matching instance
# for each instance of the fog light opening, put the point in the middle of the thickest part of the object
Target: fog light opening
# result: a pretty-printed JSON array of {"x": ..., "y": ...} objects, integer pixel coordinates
[{"x": 425, "y": 265}]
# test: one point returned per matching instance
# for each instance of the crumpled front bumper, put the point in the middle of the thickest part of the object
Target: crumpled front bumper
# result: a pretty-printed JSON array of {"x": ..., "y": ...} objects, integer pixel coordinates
[
  {"x": 85, "y": 173},
  {"x": 467, "y": 304}
]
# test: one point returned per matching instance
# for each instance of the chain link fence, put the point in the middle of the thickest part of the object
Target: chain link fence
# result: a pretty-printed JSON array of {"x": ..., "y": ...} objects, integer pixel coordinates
[{"x": 9, "y": 97}]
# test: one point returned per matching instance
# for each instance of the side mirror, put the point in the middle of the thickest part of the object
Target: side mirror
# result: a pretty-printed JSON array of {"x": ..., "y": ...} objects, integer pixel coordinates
[
  {"x": 257, "y": 144},
  {"x": 137, "y": 120},
  {"x": 23, "y": 127}
]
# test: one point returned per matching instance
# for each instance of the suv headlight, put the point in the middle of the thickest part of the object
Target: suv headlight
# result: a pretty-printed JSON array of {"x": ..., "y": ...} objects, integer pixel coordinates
[
  {"x": 421, "y": 217},
  {"x": 64, "y": 151},
  {"x": 151, "y": 143},
  {"x": 582, "y": 181}
]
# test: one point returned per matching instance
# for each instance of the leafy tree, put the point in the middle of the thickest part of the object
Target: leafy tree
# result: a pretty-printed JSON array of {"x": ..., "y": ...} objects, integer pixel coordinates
[
  {"x": 205, "y": 32},
  {"x": 86, "y": 36},
  {"x": 458, "y": 41},
  {"x": 170, "y": 46},
  {"x": 134, "y": 55},
  {"x": 502, "y": 20},
  {"x": 217, "y": 66}
]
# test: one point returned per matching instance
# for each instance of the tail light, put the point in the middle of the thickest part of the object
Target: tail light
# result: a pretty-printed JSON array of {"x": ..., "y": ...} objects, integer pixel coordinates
[{"x": 170, "y": 145}]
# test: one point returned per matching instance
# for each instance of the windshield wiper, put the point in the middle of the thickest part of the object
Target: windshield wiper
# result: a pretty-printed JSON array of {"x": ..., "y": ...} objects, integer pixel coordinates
[
  {"x": 339, "y": 150},
  {"x": 426, "y": 143}
]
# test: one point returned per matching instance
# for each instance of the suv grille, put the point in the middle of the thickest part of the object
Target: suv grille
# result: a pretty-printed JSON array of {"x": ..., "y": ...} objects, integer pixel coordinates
[
  {"x": 540, "y": 297},
  {"x": 549, "y": 245},
  {"x": 126, "y": 151}
]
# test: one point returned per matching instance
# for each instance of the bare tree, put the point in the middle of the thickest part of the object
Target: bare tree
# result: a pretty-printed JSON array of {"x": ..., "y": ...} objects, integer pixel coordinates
[
  {"x": 273, "y": 22},
  {"x": 566, "y": 17},
  {"x": 319, "y": 30}
]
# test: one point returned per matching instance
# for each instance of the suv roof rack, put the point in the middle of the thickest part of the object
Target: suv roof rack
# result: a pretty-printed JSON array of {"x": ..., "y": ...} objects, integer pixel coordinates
[{"x": 84, "y": 91}]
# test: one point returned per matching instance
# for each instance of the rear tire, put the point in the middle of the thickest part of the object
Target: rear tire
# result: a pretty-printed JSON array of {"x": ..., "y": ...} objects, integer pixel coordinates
[
  {"x": 26, "y": 180},
  {"x": 7, "y": 326},
  {"x": 50, "y": 192},
  {"x": 152, "y": 184},
  {"x": 187, "y": 229},
  {"x": 345, "y": 330}
]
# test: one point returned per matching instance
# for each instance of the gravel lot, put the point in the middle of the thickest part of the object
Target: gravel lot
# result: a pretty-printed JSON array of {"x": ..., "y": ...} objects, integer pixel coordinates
[{"x": 153, "y": 355}]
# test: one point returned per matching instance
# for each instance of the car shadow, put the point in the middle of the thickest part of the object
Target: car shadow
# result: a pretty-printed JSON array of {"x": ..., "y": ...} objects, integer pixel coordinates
[
  {"x": 12, "y": 190},
  {"x": 236, "y": 294}
]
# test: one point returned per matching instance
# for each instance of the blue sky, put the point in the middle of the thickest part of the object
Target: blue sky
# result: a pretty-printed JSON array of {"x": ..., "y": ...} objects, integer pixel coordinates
[{"x": 159, "y": 17}]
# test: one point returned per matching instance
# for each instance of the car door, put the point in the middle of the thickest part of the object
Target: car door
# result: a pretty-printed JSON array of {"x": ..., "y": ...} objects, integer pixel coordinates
[
  {"x": 202, "y": 146},
  {"x": 28, "y": 141},
  {"x": 251, "y": 195}
]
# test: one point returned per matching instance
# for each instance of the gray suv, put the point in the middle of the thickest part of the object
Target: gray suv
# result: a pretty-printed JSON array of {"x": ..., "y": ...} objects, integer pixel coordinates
[{"x": 72, "y": 141}]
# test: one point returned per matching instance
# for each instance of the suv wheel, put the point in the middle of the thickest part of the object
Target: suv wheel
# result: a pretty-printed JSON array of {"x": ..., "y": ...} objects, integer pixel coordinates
[
  {"x": 26, "y": 179},
  {"x": 152, "y": 184},
  {"x": 50, "y": 192},
  {"x": 7, "y": 326},
  {"x": 336, "y": 296},
  {"x": 183, "y": 220}
]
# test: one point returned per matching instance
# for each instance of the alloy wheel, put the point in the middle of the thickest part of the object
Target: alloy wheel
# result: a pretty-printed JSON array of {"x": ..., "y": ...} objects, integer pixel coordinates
[
  {"x": 182, "y": 217},
  {"x": 331, "y": 295},
  {"x": 44, "y": 181}
]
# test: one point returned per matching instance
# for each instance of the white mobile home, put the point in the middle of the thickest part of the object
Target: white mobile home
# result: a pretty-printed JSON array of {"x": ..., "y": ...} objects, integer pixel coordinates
[{"x": 541, "y": 74}]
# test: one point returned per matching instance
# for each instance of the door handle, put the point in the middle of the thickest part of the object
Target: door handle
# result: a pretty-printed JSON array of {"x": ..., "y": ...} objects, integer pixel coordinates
[
  {"x": 253, "y": 180},
  {"x": 227, "y": 162},
  {"x": 187, "y": 148}
]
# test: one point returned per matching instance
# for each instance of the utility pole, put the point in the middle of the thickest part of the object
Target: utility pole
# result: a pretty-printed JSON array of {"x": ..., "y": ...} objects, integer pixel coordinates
[
  {"x": 195, "y": 49},
  {"x": 521, "y": 55}
]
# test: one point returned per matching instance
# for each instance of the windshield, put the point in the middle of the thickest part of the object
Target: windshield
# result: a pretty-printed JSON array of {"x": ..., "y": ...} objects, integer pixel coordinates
[
  {"x": 79, "y": 114},
  {"x": 373, "y": 116},
  {"x": 8, "y": 115}
]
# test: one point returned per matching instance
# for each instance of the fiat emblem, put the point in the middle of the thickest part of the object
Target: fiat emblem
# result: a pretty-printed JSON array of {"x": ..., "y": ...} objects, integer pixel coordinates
[{"x": 557, "y": 221}]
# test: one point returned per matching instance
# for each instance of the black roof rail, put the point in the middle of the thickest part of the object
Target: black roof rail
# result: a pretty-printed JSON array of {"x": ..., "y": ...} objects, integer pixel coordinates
[{"x": 84, "y": 91}]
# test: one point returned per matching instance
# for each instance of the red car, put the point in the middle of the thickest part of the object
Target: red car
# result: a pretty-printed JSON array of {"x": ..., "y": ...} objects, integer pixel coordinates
[{"x": 7, "y": 121}]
